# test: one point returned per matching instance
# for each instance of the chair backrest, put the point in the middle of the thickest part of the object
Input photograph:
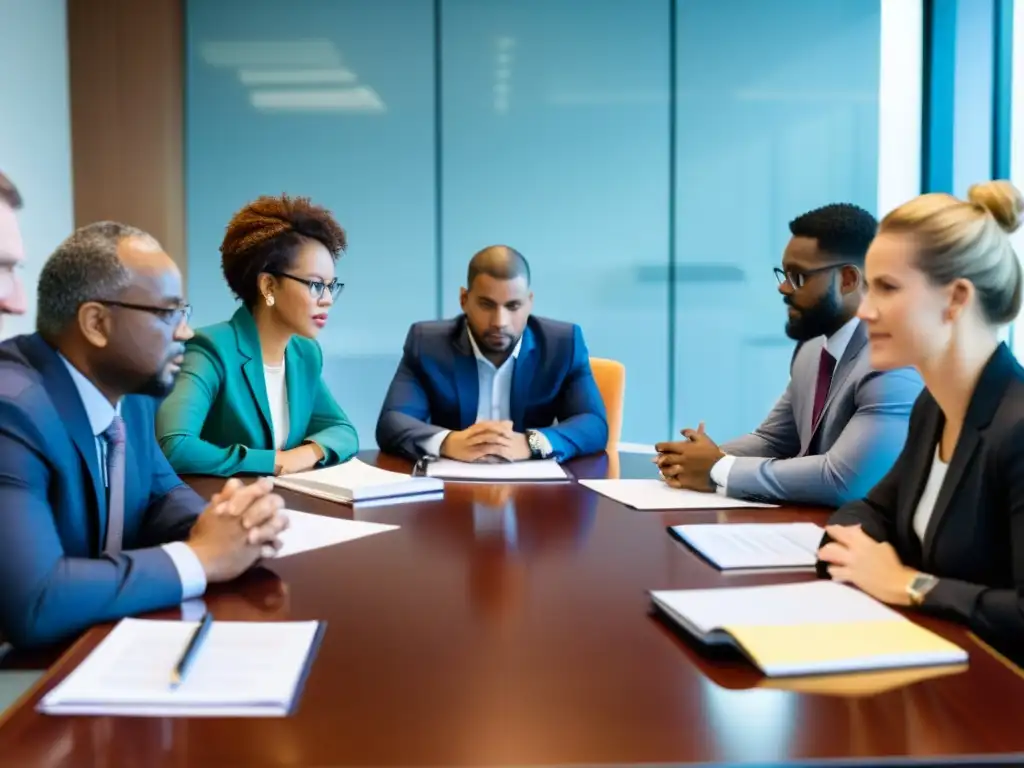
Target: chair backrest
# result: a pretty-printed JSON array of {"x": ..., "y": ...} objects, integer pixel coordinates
[{"x": 610, "y": 376}]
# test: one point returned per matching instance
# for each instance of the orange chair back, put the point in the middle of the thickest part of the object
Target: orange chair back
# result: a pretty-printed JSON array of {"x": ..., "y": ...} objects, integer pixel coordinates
[{"x": 610, "y": 376}]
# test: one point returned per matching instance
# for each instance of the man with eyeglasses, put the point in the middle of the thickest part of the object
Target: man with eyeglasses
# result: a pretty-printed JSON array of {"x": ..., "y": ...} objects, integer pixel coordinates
[
  {"x": 96, "y": 525},
  {"x": 12, "y": 251},
  {"x": 839, "y": 426}
]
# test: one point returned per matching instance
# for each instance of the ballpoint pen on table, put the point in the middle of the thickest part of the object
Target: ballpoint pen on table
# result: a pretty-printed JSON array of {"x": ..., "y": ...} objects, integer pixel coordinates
[{"x": 191, "y": 650}]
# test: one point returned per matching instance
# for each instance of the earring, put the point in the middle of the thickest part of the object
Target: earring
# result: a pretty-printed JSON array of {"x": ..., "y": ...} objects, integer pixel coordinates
[{"x": 270, "y": 300}]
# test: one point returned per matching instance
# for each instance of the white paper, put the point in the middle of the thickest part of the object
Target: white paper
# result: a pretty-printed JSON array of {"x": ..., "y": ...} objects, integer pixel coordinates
[
  {"x": 355, "y": 480},
  {"x": 656, "y": 495},
  {"x": 755, "y": 545},
  {"x": 812, "y": 602},
  {"x": 242, "y": 668},
  {"x": 306, "y": 532},
  {"x": 517, "y": 471}
]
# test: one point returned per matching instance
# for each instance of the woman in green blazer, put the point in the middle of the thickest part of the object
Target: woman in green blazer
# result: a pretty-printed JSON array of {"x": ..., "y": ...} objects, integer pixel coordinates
[{"x": 250, "y": 397}]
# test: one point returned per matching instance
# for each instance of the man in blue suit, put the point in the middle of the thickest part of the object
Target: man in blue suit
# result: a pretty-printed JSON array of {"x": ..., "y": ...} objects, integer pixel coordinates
[
  {"x": 494, "y": 383},
  {"x": 94, "y": 524}
]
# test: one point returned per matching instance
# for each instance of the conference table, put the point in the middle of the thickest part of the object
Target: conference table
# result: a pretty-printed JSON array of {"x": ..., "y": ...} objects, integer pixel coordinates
[{"x": 511, "y": 625}]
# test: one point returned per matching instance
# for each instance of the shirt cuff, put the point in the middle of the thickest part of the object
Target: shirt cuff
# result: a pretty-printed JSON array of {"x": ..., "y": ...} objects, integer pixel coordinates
[
  {"x": 190, "y": 570},
  {"x": 432, "y": 445},
  {"x": 720, "y": 474}
]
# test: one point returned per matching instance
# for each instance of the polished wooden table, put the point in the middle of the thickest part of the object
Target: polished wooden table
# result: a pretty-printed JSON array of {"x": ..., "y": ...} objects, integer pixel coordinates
[{"x": 510, "y": 625}]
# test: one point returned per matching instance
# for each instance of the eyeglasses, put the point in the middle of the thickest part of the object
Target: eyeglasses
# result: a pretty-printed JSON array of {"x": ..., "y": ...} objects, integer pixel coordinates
[
  {"x": 798, "y": 277},
  {"x": 316, "y": 287},
  {"x": 173, "y": 315}
]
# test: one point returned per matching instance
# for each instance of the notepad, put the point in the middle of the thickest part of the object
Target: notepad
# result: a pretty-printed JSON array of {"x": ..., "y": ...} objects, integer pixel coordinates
[
  {"x": 810, "y": 628},
  {"x": 534, "y": 471},
  {"x": 358, "y": 482},
  {"x": 754, "y": 546},
  {"x": 243, "y": 669},
  {"x": 306, "y": 532},
  {"x": 656, "y": 495}
]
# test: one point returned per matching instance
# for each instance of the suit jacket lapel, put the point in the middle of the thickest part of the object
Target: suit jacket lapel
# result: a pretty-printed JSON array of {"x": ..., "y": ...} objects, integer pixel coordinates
[
  {"x": 803, "y": 402},
  {"x": 252, "y": 366},
  {"x": 988, "y": 393},
  {"x": 921, "y": 458},
  {"x": 68, "y": 403},
  {"x": 966, "y": 448},
  {"x": 466, "y": 379},
  {"x": 522, "y": 375},
  {"x": 843, "y": 367}
]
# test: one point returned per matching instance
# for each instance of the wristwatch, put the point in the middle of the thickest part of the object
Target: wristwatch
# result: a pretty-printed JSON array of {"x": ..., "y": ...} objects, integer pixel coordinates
[
  {"x": 919, "y": 586},
  {"x": 533, "y": 439}
]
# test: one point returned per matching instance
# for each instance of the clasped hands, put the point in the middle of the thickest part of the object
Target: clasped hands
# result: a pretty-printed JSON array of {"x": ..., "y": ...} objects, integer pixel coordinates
[
  {"x": 687, "y": 463},
  {"x": 239, "y": 526},
  {"x": 484, "y": 440}
]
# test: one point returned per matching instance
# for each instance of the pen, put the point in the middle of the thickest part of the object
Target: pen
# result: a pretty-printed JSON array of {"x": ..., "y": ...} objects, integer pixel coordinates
[{"x": 191, "y": 650}]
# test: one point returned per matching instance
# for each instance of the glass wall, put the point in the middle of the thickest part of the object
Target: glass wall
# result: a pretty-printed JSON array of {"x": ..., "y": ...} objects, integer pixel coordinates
[
  {"x": 776, "y": 114},
  {"x": 646, "y": 157}
]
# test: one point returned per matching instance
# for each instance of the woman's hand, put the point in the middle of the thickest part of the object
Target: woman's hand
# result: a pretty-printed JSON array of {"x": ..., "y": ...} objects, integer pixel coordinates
[
  {"x": 872, "y": 566},
  {"x": 299, "y": 459}
]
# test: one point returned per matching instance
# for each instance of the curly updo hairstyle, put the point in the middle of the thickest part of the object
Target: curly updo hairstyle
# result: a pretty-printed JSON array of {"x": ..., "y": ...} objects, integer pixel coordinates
[{"x": 265, "y": 236}]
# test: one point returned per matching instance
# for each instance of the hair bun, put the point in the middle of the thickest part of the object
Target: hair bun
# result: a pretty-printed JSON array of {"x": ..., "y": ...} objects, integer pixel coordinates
[{"x": 1000, "y": 198}]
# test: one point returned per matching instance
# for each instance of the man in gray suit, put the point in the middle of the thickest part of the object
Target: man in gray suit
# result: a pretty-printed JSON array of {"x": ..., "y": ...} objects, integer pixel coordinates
[{"x": 839, "y": 426}]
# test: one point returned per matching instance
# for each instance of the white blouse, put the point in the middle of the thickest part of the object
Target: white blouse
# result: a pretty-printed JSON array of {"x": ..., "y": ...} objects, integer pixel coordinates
[
  {"x": 277, "y": 397},
  {"x": 930, "y": 495}
]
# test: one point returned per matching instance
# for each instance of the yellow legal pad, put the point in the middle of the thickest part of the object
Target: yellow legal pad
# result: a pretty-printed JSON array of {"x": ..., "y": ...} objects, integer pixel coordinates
[{"x": 810, "y": 628}]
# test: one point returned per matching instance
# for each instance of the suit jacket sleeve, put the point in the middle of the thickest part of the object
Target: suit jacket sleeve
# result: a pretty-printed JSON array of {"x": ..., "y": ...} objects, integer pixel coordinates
[
  {"x": 329, "y": 427},
  {"x": 183, "y": 412},
  {"x": 582, "y": 426},
  {"x": 47, "y": 595},
  {"x": 776, "y": 438},
  {"x": 173, "y": 506},
  {"x": 993, "y": 613},
  {"x": 865, "y": 451},
  {"x": 404, "y": 420}
]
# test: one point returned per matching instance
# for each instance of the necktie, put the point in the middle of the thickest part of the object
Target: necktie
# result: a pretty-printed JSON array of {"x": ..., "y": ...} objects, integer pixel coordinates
[
  {"x": 826, "y": 366},
  {"x": 115, "y": 484}
]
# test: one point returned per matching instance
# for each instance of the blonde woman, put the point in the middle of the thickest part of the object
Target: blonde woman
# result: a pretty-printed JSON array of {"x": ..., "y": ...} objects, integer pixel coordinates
[{"x": 944, "y": 530}]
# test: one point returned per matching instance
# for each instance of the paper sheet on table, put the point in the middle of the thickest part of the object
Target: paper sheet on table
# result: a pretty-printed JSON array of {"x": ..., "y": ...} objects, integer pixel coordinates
[
  {"x": 754, "y": 545},
  {"x": 306, "y": 532},
  {"x": 655, "y": 495},
  {"x": 537, "y": 470},
  {"x": 243, "y": 668}
]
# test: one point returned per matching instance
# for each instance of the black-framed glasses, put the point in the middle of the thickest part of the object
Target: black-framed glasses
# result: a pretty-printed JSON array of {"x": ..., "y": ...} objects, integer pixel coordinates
[
  {"x": 173, "y": 315},
  {"x": 798, "y": 277},
  {"x": 316, "y": 287}
]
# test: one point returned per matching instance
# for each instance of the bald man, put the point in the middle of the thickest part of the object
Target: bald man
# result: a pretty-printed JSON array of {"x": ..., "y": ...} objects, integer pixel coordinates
[{"x": 495, "y": 383}]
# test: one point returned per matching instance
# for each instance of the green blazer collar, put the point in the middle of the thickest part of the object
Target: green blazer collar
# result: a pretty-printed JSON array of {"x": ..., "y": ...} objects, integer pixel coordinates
[{"x": 299, "y": 405}]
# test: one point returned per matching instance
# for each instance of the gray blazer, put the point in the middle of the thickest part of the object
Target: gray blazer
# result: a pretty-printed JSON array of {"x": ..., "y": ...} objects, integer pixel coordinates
[{"x": 858, "y": 438}]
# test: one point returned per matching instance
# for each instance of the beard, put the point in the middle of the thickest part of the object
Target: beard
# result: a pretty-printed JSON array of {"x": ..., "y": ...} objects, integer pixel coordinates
[
  {"x": 158, "y": 386},
  {"x": 495, "y": 347},
  {"x": 818, "y": 320}
]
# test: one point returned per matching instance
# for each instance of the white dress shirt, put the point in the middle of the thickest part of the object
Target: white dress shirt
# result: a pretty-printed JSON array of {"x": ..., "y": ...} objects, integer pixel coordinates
[
  {"x": 101, "y": 414},
  {"x": 277, "y": 398},
  {"x": 494, "y": 395},
  {"x": 926, "y": 504},
  {"x": 835, "y": 345}
]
